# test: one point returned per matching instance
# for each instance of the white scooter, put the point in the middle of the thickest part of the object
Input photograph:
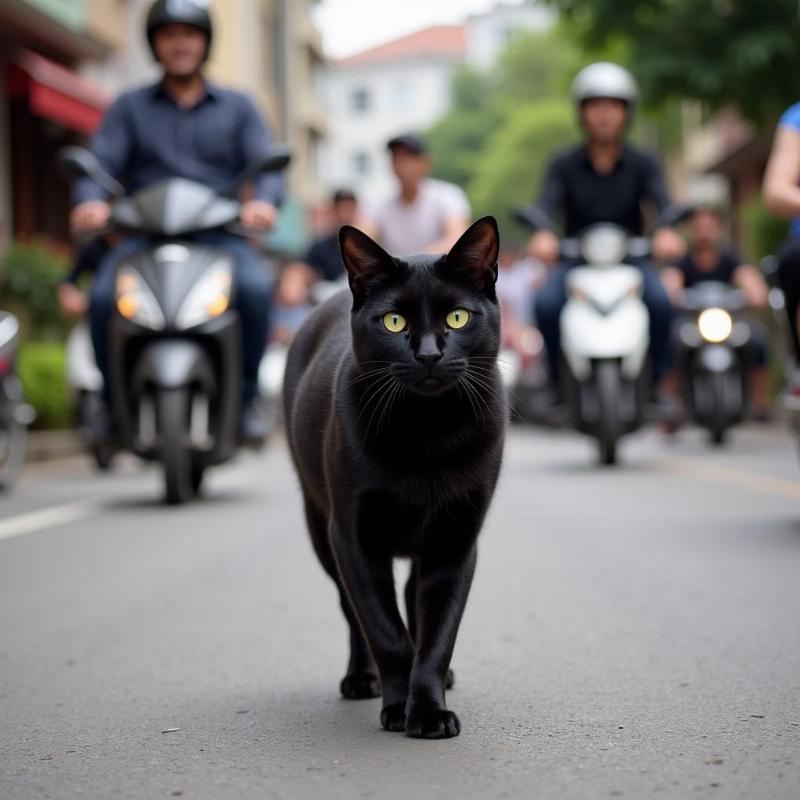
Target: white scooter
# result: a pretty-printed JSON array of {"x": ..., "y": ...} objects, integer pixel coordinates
[
  {"x": 605, "y": 334},
  {"x": 605, "y": 339}
]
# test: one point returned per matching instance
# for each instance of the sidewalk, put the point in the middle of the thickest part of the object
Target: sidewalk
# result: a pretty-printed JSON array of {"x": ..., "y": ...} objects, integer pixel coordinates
[{"x": 50, "y": 445}]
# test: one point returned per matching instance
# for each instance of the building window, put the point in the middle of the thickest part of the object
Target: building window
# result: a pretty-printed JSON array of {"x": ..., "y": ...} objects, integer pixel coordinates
[
  {"x": 402, "y": 95},
  {"x": 362, "y": 163},
  {"x": 360, "y": 101}
]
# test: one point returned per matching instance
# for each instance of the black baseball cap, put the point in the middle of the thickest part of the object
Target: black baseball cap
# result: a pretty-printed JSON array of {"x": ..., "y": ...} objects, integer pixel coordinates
[
  {"x": 410, "y": 141},
  {"x": 343, "y": 196}
]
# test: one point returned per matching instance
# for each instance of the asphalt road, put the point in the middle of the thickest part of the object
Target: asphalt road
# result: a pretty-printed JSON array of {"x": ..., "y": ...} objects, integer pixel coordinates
[{"x": 632, "y": 633}]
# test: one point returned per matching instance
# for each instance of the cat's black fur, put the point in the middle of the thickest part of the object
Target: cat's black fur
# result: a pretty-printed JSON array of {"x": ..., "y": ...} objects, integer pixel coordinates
[{"x": 397, "y": 439}]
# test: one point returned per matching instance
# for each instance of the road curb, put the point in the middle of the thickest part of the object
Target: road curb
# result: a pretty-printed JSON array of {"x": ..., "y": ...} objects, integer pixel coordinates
[{"x": 52, "y": 445}]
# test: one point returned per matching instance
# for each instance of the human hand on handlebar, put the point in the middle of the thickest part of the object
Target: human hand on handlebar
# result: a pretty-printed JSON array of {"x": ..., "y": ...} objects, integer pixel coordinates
[
  {"x": 72, "y": 300},
  {"x": 668, "y": 246},
  {"x": 90, "y": 215},
  {"x": 258, "y": 214},
  {"x": 544, "y": 247}
]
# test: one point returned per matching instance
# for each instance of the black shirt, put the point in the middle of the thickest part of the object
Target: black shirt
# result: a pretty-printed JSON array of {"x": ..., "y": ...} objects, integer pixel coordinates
[
  {"x": 577, "y": 194},
  {"x": 728, "y": 263},
  {"x": 324, "y": 258}
]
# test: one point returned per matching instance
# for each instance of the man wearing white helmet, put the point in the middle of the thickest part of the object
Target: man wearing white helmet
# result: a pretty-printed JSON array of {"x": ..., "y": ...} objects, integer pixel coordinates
[{"x": 604, "y": 180}]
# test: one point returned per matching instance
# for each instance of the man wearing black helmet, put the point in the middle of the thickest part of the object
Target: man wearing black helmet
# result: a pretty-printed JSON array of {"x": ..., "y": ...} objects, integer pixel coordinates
[
  {"x": 604, "y": 180},
  {"x": 185, "y": 126}
]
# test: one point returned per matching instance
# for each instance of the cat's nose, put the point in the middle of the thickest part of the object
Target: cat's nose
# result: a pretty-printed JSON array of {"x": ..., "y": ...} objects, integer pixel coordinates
[
  {"x": 428, "y": 359},
  {"x": 428, "y": 353}
]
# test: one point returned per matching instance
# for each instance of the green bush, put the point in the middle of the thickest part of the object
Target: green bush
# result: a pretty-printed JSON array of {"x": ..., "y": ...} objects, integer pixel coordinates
[
  {"x": 41, "y": 367},
  {"x": 30, "y": 273},
  {"x": 761, "y": 232}
]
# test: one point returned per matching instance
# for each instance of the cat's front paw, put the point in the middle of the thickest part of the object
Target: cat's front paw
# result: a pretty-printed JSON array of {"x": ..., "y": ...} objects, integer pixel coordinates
[
  {"x": 432, "y": 723},
  {"x": 393, "y": 717},
  {"x": 360, "y": 686}
]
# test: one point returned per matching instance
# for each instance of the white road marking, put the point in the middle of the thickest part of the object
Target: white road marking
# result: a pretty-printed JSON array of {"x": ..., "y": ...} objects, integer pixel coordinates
[{"x": 47, "y": 518}]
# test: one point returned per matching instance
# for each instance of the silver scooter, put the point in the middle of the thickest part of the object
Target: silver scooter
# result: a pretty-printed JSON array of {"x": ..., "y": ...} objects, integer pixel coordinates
[{"x": 174, "y": 339}]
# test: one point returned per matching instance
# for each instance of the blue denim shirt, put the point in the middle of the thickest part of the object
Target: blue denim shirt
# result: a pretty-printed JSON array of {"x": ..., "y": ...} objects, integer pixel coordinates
[
  {"x": 791, "y": 119},
  {"x": 146, "y": 137}
]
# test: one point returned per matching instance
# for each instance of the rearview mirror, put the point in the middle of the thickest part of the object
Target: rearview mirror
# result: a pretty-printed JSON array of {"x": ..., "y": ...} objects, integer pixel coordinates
[
  {"x": 78, "y": 162},
  {"x": 533, "y": 217},
  {"x": 274, "y": 160}
]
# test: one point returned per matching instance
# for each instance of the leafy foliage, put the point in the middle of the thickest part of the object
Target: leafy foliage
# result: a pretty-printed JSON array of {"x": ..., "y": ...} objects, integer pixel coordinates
[
  {"x": 505, "y": 125},
  {"x": 720, "y": 52},
  {"x": 510, "y": 173},
  {"x": 41, "y": 367},
  {"x": 30, "y": 273}
]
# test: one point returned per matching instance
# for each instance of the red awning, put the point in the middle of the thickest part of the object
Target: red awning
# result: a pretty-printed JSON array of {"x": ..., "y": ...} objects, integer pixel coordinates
[{"x": 55, "y": 92}]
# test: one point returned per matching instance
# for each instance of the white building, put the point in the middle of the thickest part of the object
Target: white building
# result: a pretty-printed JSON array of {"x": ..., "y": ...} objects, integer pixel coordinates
[{"x": 405, "y": 86}]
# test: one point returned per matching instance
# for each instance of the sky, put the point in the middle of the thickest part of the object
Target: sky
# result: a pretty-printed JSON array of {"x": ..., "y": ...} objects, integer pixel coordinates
[{"x": 348, "y": 26}]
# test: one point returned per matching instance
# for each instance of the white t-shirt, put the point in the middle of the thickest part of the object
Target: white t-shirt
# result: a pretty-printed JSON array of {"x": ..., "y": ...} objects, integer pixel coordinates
[{"x": 408, "y": 228}]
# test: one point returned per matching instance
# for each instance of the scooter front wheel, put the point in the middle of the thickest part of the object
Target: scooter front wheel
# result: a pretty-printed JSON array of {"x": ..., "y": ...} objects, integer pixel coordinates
[
  {"x": 607, "y": 380},
  {"x": 176, "y": 458},
  {"x": 718, "y": 425}
]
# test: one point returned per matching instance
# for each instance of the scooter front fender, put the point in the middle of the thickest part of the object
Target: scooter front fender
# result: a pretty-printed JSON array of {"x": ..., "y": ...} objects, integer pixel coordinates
[
  {"x": 173, "y": 364},
  {"x": 587, "y": 335}
]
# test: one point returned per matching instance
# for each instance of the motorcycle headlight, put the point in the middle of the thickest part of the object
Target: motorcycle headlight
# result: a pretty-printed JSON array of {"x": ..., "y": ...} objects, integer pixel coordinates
[
  {"x": 715, "y": 324},
  {"x": 135, "y": 300},
  {"x": 210, "y": 297},
  {"x": 604, "y": 246}
]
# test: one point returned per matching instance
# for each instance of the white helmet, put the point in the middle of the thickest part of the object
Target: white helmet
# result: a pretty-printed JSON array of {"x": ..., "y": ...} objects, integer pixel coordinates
[{"x": 602, "y": 80}]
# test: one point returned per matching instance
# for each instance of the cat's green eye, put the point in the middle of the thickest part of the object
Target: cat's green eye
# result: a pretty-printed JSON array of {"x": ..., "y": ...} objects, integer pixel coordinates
[
  {"x": 457, "y": 318},
  {"x": 394, "y": 322}
]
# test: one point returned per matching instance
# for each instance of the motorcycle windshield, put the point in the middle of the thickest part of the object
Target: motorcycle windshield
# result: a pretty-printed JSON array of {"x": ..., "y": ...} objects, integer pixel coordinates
[
  {"x": 175, "y": 207},
  {"x": 713, "y": 293}
]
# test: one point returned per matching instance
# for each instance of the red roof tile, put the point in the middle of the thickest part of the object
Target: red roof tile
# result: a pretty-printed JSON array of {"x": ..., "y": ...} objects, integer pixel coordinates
[{"x": 438, "y": 40}]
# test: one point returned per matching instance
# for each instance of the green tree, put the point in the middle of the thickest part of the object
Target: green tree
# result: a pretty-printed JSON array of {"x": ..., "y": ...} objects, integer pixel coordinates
[
  {"x": 510, "y": 173},
  {"x": 504, "y": 125},
  {"x": 721, "y": 52}
]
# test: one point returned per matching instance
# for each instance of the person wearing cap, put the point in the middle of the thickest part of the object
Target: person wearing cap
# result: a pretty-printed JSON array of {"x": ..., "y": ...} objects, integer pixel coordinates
[
  {"x": 604, "y": 180},
  {"x": 323, "y": 256},
  {"x": 185, "y": 126},
  {"x": 323, "y": 262},
  {"x": 426, "y": 215}
]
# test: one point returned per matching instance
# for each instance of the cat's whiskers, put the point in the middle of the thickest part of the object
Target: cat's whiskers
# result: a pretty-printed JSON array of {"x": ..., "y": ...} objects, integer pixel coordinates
[
  {"x": 375, "y": 392},
  {"x": 461, "y": 385},
  {"x": 369, "y": 374},
  {"x": 495, "y": 359},
  {"x": 383, "y": 396},
  {"x": 396, "y": 391},
  {"x": 482, "y": 376}
]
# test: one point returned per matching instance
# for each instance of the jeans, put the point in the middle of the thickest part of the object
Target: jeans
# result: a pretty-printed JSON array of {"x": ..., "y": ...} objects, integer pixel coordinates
[
  {"x": 789, "y": 280},
  {"x": 252, "y": 300},
  {"x": 552, "y": 297}
]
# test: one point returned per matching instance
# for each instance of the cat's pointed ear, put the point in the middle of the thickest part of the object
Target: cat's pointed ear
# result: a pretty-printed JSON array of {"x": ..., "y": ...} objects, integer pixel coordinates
[
  {"x": 475, "y": 254},
  {"x": 364, "y": 259}
]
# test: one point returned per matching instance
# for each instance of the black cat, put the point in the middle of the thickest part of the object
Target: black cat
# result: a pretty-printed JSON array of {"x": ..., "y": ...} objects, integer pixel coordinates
[{"x": 396, "y": 420}]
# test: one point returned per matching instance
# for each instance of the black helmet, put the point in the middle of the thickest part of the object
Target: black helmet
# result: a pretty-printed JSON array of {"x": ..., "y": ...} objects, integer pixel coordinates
[{"x": 189, "y": 12}]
